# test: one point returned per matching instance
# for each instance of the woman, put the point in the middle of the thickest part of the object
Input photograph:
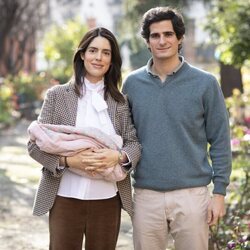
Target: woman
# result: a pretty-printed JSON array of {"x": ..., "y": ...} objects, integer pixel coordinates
[{"x": 81, "y": 207}]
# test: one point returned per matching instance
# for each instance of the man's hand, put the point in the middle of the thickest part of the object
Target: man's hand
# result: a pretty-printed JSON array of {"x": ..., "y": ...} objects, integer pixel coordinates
[{"x": 216, "y": 209}]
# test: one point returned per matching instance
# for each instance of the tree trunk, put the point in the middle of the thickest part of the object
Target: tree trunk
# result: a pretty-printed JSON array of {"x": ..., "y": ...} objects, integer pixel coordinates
[{"x": 230, "y": 78}]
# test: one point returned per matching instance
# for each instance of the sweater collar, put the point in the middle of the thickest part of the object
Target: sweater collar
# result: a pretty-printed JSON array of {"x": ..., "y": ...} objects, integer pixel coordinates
[{"x": 150, "y": 63}]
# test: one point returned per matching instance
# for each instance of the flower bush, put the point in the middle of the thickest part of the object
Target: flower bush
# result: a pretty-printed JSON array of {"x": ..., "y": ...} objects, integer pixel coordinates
[
  {"x": 5, "y": 104},
  {"x": 232, "y": 231},
  {"x": 20, "y": 93}
]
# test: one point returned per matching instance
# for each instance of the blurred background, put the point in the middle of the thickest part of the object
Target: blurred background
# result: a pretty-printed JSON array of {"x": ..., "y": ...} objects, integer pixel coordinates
[{"x": 38, "y": 39}]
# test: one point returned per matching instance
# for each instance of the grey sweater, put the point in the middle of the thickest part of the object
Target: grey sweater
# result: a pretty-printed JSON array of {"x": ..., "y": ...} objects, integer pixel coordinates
[{"x": 176, "y": 121}]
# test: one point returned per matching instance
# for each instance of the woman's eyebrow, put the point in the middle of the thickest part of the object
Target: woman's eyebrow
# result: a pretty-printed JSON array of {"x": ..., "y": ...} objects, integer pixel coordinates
[{"x": 93, "y": 47}]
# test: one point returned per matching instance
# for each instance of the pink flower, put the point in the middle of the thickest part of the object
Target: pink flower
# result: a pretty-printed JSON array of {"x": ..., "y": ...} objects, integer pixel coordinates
[{"x": 235, "y": 142}]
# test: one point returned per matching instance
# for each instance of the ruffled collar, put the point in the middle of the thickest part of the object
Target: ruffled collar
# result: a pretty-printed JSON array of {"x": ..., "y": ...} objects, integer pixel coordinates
[
  {"x": 95, "y": 90},
  {"x": 96, "y": 87}
]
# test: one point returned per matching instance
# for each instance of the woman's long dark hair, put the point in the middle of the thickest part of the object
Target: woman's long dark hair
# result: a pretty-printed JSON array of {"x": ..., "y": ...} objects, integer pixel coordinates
[{"x": 113, "y": 77}]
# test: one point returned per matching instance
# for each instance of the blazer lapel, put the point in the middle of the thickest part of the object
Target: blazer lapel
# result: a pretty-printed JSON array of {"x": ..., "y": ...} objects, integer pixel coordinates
[
  {"x": 71, "y": 100},
  {"x": 112, "y": 106}
]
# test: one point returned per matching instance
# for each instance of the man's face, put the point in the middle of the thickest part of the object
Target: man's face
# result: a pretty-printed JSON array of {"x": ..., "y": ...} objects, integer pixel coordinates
[{"x": 163, "y": 42}]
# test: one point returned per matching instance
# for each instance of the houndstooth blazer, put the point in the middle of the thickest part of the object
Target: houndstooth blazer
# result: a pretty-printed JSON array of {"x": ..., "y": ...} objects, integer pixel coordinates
[{"x": 60, "y": 107}]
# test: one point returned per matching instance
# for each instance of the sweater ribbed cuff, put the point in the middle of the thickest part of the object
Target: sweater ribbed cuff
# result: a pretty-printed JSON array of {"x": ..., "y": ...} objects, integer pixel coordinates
[{"x": 220, "y": 188}]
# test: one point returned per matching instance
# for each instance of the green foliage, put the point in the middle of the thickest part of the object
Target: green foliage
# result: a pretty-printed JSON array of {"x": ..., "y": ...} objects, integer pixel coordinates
[
  {"x": 5, "y": 103},
  {"x": 24, "y": 94},
  {"x": 229, "y": 27},
  {"x": 60, "y": 43},
  {"x": 30, "y": 86}
]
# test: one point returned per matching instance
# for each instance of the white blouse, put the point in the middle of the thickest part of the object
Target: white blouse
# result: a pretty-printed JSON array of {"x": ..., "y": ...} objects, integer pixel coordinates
[{"x": 92, "y": 111}]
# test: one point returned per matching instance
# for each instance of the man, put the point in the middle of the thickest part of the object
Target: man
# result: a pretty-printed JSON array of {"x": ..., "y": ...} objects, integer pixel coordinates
[{"x": 178, "y": 110}]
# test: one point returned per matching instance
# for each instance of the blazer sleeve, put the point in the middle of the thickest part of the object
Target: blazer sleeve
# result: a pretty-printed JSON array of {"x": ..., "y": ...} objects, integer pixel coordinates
[
  {"x": 48, "y": 161},
  {"x": 131, "y": 145}
]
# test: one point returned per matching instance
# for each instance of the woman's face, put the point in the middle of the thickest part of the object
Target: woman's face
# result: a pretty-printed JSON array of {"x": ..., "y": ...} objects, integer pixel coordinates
[{"x": 97, "y": 59}]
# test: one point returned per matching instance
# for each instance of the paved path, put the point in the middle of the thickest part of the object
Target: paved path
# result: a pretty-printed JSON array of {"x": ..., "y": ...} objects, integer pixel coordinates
[{"x": 19, "y": 175}]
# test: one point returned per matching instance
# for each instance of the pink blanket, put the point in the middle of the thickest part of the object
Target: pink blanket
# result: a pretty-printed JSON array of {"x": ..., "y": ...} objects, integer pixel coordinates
[{"x": 68, "y": 140}]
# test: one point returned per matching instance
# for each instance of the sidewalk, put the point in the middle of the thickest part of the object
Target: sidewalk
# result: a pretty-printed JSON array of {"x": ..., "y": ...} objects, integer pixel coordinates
[{"x": 19, "y": 176}]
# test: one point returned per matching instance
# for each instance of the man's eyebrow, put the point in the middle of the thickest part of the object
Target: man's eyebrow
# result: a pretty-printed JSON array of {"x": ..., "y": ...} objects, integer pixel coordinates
[{"x": 167, "y": 31}]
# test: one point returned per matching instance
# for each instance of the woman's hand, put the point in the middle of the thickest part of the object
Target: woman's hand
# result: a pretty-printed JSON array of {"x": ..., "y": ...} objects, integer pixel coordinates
[
  {"x": 99, "y": 159},
  {"x": 94, "y": 159}
]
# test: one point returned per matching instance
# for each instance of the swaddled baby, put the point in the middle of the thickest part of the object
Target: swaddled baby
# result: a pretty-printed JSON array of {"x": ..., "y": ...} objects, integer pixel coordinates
[{"x": 68, "y": 140}]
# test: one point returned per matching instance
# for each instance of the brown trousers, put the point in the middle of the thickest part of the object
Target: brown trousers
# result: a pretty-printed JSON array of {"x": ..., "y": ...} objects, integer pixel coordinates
[{"x": 95, "y": 221}]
